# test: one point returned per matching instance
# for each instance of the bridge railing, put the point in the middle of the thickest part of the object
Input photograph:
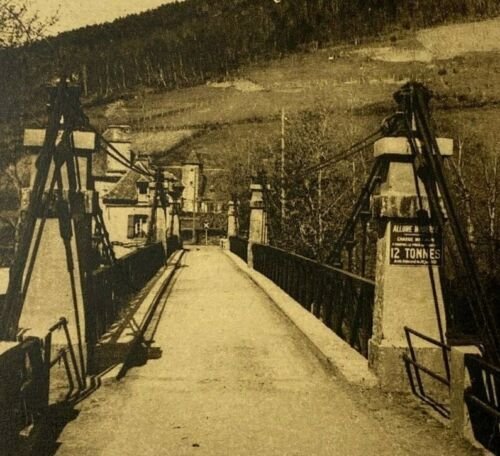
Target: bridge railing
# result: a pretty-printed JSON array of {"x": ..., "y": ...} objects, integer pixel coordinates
[
  {"x": 25, "y": 368},
  {"x": 23, "y": 388},
  {"x": 416, "y": 370},
  {"x": 483, "y": 401},
  {"x": 111, "y": 285},
  {"x": 342, "y": 300},
  {"x": 173, "y": 244},
  {"x": 239, "y": 246}
]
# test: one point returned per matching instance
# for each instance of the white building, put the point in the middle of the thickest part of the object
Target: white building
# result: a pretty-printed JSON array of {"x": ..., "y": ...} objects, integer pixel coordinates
[{"x": 126, "y": 196}]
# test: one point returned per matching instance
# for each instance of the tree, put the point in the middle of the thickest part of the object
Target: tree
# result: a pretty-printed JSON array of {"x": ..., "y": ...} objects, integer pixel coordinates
[
  {"x": 318, "y": 201},
  {"x": 20, "y": 24}
]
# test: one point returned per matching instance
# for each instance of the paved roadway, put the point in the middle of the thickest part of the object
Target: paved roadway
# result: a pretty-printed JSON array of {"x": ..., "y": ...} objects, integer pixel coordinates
[{"x": 235, "y": 378}]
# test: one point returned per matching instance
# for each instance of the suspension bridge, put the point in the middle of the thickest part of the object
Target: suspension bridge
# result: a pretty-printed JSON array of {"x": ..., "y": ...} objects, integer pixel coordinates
[{"x": 246, "y": 348}]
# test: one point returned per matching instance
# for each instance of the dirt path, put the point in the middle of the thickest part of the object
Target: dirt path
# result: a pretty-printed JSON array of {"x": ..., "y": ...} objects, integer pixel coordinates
[{"x": 234, "y": 378}]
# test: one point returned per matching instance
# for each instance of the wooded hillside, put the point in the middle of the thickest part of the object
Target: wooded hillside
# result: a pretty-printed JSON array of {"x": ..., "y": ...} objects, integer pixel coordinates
[{"x": 186, "y": 43}]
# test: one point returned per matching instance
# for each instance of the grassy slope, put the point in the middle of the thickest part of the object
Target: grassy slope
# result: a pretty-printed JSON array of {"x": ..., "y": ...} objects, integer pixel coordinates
[{"x": 350, "y": 81}]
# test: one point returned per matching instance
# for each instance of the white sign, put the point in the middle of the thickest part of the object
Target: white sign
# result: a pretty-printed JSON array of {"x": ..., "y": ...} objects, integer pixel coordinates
[{"x": 413, "y": 244}]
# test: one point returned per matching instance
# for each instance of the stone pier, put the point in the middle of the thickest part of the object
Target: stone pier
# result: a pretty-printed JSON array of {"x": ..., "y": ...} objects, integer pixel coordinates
[
  {"x": 61, "y": 258},
  {"x": 409, "y": 254},
  {"x": 257, "y": 232},
  {"x": 232, "y": 219}
]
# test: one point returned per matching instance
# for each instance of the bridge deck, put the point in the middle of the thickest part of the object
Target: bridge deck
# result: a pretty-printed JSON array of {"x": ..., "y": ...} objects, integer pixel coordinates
[{"x": 235, "y": 378}]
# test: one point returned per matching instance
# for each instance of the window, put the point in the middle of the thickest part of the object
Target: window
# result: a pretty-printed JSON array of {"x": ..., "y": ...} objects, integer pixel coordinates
[
  {"x": 142, "y": 187},
  {"x": 137, "y": 226}
]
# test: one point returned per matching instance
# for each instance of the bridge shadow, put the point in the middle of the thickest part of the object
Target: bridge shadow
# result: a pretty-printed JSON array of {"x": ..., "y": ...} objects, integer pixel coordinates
[
  {"x": 143, "y": 348},
  {"x": 42, "y": 439},
  {"x": 127, "y": 319},
  {"x": 111, "y": 351},
  {"x": 45, "y": 442}
]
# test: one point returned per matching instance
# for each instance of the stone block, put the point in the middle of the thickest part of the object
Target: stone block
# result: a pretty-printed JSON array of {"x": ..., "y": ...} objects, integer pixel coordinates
[
  {"x": 398, "y": 206},
  {"x": 460, "y": 420},
  {"x": 82, "y": 140},
  {"x": 401, "y": 146},
  {"x": 387, "y": 362}
]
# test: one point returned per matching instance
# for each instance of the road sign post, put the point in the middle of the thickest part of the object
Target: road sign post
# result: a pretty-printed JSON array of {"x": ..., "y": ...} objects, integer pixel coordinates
[{"x": 206, "y": 227}]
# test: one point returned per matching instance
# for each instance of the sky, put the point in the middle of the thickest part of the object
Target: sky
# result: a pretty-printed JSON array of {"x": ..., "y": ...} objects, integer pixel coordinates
[{"x": 78, "y": 13}]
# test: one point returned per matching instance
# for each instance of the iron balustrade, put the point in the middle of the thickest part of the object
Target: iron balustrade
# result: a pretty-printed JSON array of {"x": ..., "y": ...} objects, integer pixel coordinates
[
  {"x": 342, "y": 300},
  {"x": 62, "y": 355},
  {"x": 23, "y": 389},
  {"x": 414, "y": 369},
  {"x": 25, "y": 381},
  {"x": 483, "y": 401},
  {"x": 112, "y": 285},
  {"x": 173, "y": 244},
  {"x": 239, "y": 246}
]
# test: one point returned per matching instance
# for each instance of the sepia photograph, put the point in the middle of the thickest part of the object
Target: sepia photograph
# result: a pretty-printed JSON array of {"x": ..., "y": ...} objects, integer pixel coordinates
[{"x": 249, "y": 227}]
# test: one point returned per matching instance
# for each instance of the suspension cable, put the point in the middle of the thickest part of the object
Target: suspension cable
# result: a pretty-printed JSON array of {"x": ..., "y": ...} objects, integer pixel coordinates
[
  {"x": 424, "y": 217},
  {"x": 430, "y": 153},
  {"x": 388, "y": 127},
  {"x": 119, "y": 157},
  {"x": 110, "y": 149},
  {"x": 373, "y": 179},
  {"x": 344, "y": 155},
  {"x": 11, "y": 312}
]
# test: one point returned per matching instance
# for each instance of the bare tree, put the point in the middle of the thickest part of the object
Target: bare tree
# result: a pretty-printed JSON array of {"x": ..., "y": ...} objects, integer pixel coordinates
[
  {"x": 490, "y": 173},
  {"x": 21, "y": 24}
]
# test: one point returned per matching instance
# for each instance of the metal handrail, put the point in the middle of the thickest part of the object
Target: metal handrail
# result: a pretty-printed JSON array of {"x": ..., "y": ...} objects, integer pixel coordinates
[
  {"x": 25, "y": 388},
  {"x": 444, "y": 346},
  {"x": 342, "y": 300},
  {"x": 111, "y": 285},
  {"x": 322, "y": 265},
  {"x": 62, "y": 355},
  {"x": 411, "y": 361},
  {"x": 239, "y": 246},
  {"x": 483, "y": 401}
]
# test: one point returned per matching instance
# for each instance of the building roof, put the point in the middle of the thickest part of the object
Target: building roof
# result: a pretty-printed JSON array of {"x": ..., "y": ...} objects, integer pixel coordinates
[
  {"x": 125, "y": 190},
  {"x": 118, "y": 133},
  {"x": 176, "y": 171},
  {"x": 192, "y": 159}
]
